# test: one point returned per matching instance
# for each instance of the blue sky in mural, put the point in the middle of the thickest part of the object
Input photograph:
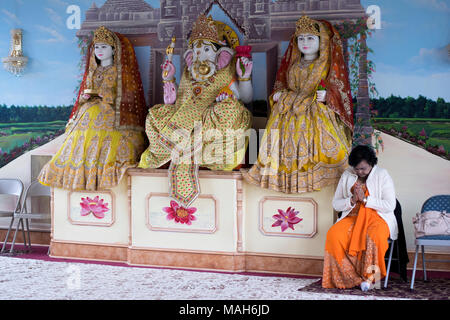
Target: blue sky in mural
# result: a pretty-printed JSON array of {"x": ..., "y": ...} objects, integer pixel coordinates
[
  {"x": 51, "y": 47},
  {"x": 409, "y": 50}
]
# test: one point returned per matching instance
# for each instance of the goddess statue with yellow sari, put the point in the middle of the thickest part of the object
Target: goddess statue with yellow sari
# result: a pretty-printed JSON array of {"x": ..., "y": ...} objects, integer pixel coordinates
[
  {"x": 105, "y": 132},
  {"x": 308, "y": 135},
  {"x": 192, "y": 128}
]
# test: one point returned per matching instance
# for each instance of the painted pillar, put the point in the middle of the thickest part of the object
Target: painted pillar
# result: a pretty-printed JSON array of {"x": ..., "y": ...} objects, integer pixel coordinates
[{"x": 363, "y": 128}]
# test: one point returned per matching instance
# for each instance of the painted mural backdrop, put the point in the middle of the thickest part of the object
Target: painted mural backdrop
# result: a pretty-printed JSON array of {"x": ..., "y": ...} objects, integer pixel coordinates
[{"x": 408, "y": 60}]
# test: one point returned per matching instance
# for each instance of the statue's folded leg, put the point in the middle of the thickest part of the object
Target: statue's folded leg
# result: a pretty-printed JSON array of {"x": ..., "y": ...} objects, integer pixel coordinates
[
  {"x": 152, "y": 158},
  {"x": 225, "y": 148}
]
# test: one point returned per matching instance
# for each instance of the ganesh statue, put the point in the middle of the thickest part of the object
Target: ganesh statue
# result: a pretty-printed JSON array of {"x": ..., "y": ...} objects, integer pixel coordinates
[{"x": 202, "y": 123}]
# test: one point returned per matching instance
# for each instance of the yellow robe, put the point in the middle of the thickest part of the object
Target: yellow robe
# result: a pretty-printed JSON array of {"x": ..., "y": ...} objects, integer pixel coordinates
[
  {"x": 305, "y": 144},
  {"x": 95, "y": 155},
  {"x": 194, "y": 132}
]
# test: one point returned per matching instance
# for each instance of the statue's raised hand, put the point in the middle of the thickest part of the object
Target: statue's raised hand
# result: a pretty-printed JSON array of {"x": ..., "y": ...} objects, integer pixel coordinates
[
  {"x": 170, "y": 92},
  {"x": 168, "y": 76},
  {"x": 168, "y": 72},
  {"x": 244, "y": 67},
  {"x": 276, "y": 96}
]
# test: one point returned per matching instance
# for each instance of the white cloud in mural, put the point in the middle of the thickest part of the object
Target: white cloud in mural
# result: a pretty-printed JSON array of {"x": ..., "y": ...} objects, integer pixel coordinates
[
  {"x": 54, "y": 16},
  {"x": 393, "y": 80},
  {"x": 11, "y": 16},
  {"x": 438, "y": 5},
  {"x": 385, "y": 24},
  {"x": 434, "y": 55},
  {"x": 59, "y": 3},
  {"x": 55, "y": 35},
  {"x": 386, "y": 27},
  {"x": 39, "y": 82}
]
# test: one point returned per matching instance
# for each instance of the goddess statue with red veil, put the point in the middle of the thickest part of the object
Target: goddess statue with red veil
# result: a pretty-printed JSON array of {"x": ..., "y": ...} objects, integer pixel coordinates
[
  {"x": 309, "y": 132},
  {"x": 105, "y": 132}
]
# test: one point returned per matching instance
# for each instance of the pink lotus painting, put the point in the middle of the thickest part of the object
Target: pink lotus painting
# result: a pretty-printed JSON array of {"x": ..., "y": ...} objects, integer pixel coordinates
[
  {"x": 286, "y": 219},
  {"x": 179, "y": 213},
  {"x": 95, "y": 206}
]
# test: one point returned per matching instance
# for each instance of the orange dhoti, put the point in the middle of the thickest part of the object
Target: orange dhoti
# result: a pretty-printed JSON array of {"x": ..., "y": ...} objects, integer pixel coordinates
[{"x": 355, "y": 248}]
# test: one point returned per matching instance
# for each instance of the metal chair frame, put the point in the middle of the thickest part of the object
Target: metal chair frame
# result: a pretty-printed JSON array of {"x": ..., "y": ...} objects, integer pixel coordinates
[
  {"x": 37, "y": 190},
  {"x": 388, "y": 268},
  {"x": 12, "y": 187},
  {"x": 428, "y": 205}
]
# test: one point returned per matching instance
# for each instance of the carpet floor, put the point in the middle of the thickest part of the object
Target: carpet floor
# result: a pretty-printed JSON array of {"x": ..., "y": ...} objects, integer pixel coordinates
[
  {"x": 37, "y": 276},
  {"x": 434, "y": 289}
]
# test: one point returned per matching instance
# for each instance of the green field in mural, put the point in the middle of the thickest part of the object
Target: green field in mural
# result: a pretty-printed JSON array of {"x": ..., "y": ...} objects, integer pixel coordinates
[
  {"x": 432, "y": 132},
  {"x": 14, "y": 135}
]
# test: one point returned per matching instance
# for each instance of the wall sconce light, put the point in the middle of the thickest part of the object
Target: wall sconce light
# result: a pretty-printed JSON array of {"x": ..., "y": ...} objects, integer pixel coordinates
[{"x": 16, "y": 62}]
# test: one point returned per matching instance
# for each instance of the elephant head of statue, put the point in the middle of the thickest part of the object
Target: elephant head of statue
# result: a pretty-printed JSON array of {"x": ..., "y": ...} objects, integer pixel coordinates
[
  {"x": 205, "y": 58},
  {"x": 208, "y": 50}
]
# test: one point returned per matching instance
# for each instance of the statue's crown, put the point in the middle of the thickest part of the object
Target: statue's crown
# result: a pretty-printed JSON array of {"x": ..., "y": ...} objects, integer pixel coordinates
[
  {"x": 305, "y": 25},
  {"x": 103, "y": 35},
  {"x": 205, "y": 28}
]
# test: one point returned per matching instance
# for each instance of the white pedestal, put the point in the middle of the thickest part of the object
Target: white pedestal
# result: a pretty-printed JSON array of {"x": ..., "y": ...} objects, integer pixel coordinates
[{"x": 232, "y": 231}]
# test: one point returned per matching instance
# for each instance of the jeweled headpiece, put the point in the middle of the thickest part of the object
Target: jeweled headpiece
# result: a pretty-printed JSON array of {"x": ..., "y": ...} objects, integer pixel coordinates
[
  {"x": 205, "y": 29},
  {"x": 305, "y": 25},
  {"x": 103, "y": 35}
]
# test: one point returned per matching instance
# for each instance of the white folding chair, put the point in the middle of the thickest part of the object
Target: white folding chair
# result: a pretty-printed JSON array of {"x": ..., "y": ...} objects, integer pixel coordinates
[
  {"x": 11, "y": 187},
  {"x": 35, "y": 189},
  {"x": 434, "y": 203}
]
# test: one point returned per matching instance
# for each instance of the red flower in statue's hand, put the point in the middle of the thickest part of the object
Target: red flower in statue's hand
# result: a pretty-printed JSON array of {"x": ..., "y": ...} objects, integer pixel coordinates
[
  {"x": 244, "y": 51},
  {"x": 244, "y": 66},
  {"x": 322, "y": 85}
]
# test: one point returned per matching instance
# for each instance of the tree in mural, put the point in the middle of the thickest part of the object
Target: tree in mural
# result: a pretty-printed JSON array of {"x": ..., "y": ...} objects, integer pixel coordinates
[{"x": 361, "y": 72}]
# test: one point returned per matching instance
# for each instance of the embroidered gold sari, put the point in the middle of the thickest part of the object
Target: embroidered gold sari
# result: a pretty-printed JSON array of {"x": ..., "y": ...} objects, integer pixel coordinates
[
  {"x": 306, "y": 142},
  {"x": 105, "y": 133}
]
